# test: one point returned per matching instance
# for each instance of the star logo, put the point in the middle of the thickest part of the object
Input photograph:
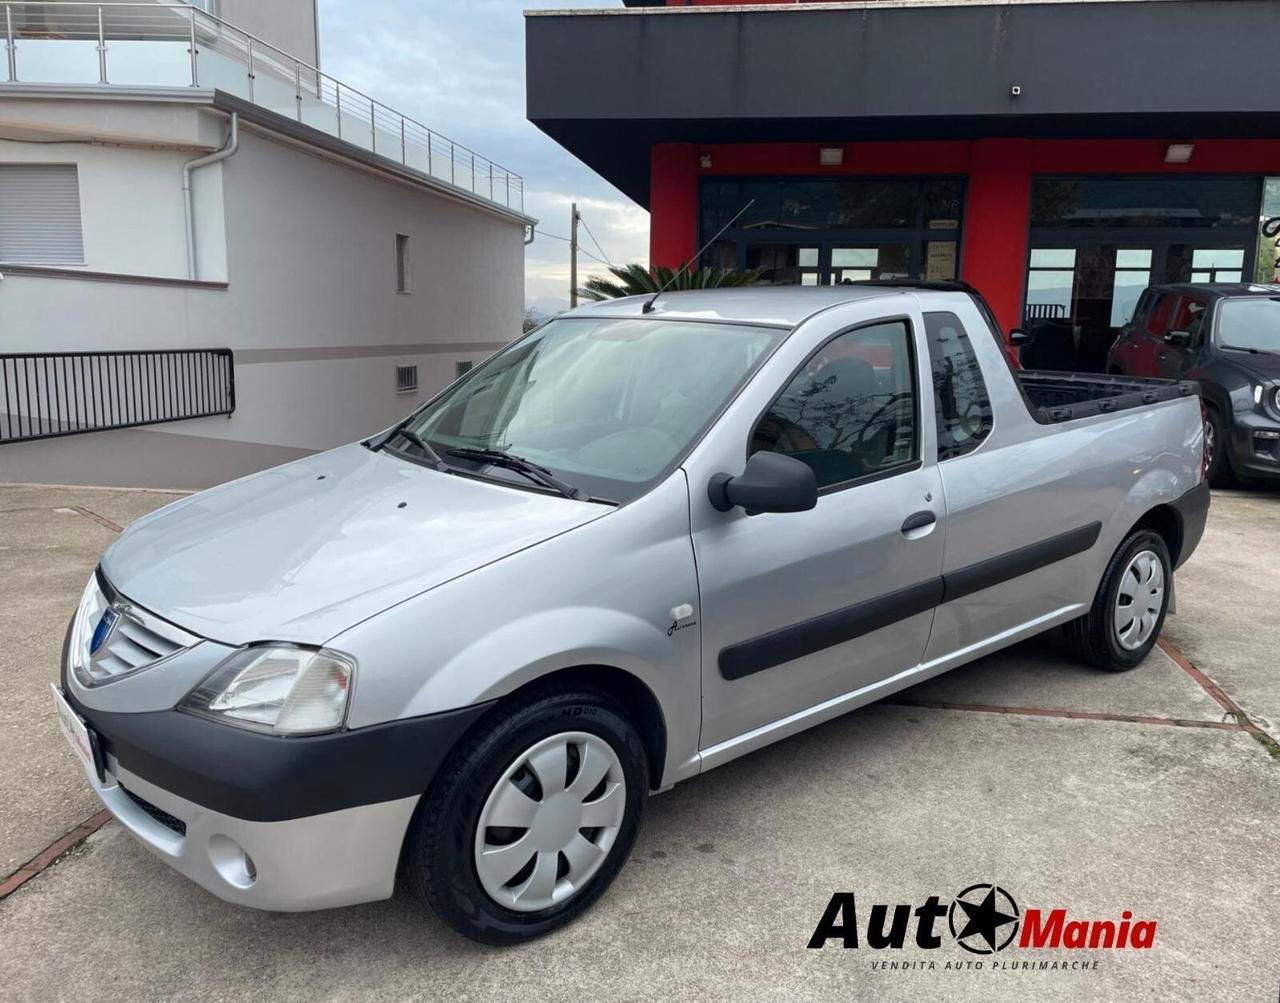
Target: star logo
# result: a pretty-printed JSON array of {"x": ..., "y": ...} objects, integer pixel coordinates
[{"x": 984, "y": 919}]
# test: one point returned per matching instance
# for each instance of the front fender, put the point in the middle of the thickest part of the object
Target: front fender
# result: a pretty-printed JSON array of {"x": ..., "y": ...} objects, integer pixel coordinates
[
  {"x": 523, "y": 650},
  {"x": 601, "y": 594}
]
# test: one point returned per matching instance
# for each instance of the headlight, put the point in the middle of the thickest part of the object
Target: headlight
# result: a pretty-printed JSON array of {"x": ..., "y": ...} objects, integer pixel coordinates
[
  {"x": 82, "y": 629},
  {"x": 279, "y": 689}
]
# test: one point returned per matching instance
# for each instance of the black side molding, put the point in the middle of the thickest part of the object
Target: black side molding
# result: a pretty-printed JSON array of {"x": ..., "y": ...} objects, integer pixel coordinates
[
  {"x": 810, "y": 636},
  {"x": 1024, "y": 560}
]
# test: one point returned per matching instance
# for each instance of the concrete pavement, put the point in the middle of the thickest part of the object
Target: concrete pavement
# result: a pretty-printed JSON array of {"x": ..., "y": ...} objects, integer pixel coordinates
[{"x": 1173, "y": 819}]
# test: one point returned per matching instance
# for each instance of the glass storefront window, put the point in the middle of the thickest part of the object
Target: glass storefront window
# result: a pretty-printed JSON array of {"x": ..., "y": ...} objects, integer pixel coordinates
[
  {"x": 1096, "y": 243},
  {"x": 1266, "y": 259},
  {"x": 831, "y": 230},
  {"x": 784, "y": 264},
  {"x": 1050, "y": 277},
  {"x": 876, "y": 203},
  {"x": 1184, "y": 202},
  {"x": 1132, "y": 275}
]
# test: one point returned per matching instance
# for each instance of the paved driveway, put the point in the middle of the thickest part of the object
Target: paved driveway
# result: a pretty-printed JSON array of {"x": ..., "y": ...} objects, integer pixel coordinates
[{"x": 1149, "y": 791}]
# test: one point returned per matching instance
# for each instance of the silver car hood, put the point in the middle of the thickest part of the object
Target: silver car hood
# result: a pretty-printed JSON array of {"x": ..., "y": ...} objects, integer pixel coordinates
[{"x": 304, "y": 551}]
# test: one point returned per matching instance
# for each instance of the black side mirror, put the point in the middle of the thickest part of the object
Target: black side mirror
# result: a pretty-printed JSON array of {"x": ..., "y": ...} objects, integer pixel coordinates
[
  {"x": 771, "y": 482},
  {"x": 1180, "y": 338},
  {"x": 1018, "y": 337}
]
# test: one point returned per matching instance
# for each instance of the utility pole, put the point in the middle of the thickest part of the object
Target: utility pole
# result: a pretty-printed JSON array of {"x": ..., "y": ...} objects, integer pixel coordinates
[{"x": 573, "y": 255}]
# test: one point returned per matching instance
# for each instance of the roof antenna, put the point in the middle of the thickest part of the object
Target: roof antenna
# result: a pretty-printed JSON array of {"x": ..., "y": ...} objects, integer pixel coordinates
[{"x": 648, "y": 307}]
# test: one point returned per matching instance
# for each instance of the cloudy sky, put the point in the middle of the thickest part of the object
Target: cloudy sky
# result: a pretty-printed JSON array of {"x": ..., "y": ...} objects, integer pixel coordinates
[{"x": 458, "y": 66}]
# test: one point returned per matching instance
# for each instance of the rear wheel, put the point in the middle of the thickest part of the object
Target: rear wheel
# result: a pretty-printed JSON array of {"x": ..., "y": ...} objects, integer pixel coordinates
[
  {"x": 531, "y": 818},
  {"x": 1129, "y": 607}
]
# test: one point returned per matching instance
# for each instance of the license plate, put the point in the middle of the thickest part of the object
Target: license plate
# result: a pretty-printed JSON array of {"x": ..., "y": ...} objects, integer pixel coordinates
[{"x": 74, "y": 730}]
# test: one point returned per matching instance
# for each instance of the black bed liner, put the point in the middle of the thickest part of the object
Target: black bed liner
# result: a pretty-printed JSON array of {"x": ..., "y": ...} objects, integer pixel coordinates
[{"x": 1053, "y": 397}]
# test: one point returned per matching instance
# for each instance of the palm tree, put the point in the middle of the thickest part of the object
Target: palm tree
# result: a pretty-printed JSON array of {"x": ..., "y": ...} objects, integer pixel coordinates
[{"x": 636, "y": 280}]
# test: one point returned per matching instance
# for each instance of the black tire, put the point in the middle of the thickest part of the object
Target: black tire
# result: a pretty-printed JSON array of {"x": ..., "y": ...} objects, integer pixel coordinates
[
  {"x": 438, "y": 857},
  {"x": 1093, "y": 637},
  {"x": 1219, "y": 472}
]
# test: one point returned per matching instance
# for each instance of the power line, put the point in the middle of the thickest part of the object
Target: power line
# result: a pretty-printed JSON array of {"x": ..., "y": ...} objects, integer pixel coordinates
[
  {"x": 581, "y": 250},
  {"x": 594, "y": 241}
]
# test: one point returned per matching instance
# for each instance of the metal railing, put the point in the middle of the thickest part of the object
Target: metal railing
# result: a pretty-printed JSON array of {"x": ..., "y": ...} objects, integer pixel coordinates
[
  {"x": 49, "y": 394},
  {"x": 1045, "y": 311},
  {"x": 177, "y": 45}
]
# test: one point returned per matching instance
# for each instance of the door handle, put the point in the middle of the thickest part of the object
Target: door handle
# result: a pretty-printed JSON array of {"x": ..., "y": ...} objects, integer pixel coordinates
[{"x": 916, "y": 522}]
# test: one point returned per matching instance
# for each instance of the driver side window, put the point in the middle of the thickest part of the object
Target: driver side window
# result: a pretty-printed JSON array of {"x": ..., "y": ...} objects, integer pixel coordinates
[{"x": 851, "y": 411}]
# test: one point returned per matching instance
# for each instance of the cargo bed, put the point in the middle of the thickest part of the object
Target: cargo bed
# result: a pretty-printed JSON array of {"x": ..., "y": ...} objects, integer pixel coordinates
[{"x": 1053, "y": 397}]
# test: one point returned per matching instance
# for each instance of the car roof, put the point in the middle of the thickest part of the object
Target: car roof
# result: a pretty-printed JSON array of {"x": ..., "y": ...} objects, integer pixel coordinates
[
  {"x": 1219, "y": 290},
  {"x": 780, "y": 306}
]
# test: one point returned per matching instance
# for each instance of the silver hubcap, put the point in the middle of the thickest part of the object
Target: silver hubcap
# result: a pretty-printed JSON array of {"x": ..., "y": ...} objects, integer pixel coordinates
[
  {"x": 1139, "y": 601},
  {"x": 550, "y": 821},
  {"x": 1209, "y": 442}
]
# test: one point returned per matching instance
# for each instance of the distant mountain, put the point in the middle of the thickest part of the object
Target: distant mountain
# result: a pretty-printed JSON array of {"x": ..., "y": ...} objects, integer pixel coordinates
[{"x": 545, "y": 307}]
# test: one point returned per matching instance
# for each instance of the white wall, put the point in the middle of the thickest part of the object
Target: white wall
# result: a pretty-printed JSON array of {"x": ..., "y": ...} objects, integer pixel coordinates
[
  {"x": 287, "y": 24},
  {"x": 131, "y": 210},
  {"x": 311, "y": 308}
]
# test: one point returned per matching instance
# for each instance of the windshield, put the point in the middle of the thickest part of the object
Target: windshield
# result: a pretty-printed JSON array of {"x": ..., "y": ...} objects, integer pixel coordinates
[
  {"x": 606, "y": 405},
  {"x": 1252, "y": 322}
]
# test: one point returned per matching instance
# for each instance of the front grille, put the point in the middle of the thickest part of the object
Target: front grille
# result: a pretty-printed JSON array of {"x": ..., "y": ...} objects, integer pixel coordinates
[
  {"x": 170, "y": 822},
  {"x": 137, "y": 639}
]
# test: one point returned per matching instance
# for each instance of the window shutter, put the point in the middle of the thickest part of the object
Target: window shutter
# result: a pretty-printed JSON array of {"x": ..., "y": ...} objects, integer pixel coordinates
[{"x": 40, "y": 215}]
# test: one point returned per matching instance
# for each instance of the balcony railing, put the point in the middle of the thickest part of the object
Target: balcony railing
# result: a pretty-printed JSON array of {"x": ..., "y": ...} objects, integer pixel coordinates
[{"x": 175, "y": 45}]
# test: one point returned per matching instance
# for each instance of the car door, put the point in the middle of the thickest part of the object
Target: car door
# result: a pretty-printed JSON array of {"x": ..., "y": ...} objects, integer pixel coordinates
[
  {"x": 1173, "y": 361},
  {"x": 1145, "y": 338},
  {"x": 806, "y": 607}
]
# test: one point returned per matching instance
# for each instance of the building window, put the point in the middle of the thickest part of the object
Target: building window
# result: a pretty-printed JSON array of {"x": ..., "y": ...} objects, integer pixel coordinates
[
  {"x": 1097, "y": 242},
  {"x": 834, "y": 230},
  {"x": 402, "y": 262},
  {"x": 462, "y": 368},
  {"x": 40, "y": 215},
  {"x": 406, "y": 379}
]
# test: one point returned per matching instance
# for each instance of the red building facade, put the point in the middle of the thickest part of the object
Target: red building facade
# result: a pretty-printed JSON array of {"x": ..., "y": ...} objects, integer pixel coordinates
[{"x": 1046, "y": 153}]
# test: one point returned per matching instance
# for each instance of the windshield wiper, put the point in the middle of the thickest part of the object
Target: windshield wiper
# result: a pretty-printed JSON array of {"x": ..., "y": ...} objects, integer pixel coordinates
[
  {"x": 541, "y": 475},
  {"x": 1251, "y": 350},
  {"x": 431, "y": 456}
]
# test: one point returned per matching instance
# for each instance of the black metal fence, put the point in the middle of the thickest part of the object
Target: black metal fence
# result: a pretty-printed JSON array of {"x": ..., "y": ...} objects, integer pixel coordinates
[
  {"x": 1045, "y": 311},
  {"x": 50, "y": 394}
]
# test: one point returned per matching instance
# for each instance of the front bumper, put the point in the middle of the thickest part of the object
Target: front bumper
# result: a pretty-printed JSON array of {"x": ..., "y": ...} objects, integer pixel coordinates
[
  {"x": 1254, "y": 443},
  {"x": 333, "y": 859},
  {"x": 287, "y": 824}
]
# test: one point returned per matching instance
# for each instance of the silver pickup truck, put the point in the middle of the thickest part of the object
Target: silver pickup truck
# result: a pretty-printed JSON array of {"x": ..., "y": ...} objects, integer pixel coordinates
[{"x": 643, "y": 540}]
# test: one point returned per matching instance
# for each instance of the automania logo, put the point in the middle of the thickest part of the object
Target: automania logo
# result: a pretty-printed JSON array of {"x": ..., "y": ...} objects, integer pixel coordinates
[{"x": 982, "y": 919}]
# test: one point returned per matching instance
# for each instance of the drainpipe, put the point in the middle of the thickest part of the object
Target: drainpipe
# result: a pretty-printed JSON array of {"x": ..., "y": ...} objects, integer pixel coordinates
[
  {"x": 228, "y": 149},
  {"x": 532, "y": 233}
]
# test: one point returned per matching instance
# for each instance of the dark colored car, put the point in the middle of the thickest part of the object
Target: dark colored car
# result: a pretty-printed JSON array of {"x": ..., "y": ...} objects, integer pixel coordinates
[{"x": 1227, "y": 337}]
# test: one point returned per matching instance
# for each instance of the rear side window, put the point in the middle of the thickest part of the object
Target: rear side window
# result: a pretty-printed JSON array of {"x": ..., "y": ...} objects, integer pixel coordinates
[
  {"x": 959, "y": 391},
  {"x": 851, "y": 411}
]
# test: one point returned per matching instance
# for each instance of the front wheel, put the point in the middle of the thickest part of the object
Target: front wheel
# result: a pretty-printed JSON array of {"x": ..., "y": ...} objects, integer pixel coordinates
[
  {"x": 1217, "y": 466},
  {"x": 531, "y": 818},
  {"x": 1129, "y": 607}
]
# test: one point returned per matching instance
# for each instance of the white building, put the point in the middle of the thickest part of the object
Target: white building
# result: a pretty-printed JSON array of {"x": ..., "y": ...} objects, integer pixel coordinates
[{"x": 351, "y": 261}]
